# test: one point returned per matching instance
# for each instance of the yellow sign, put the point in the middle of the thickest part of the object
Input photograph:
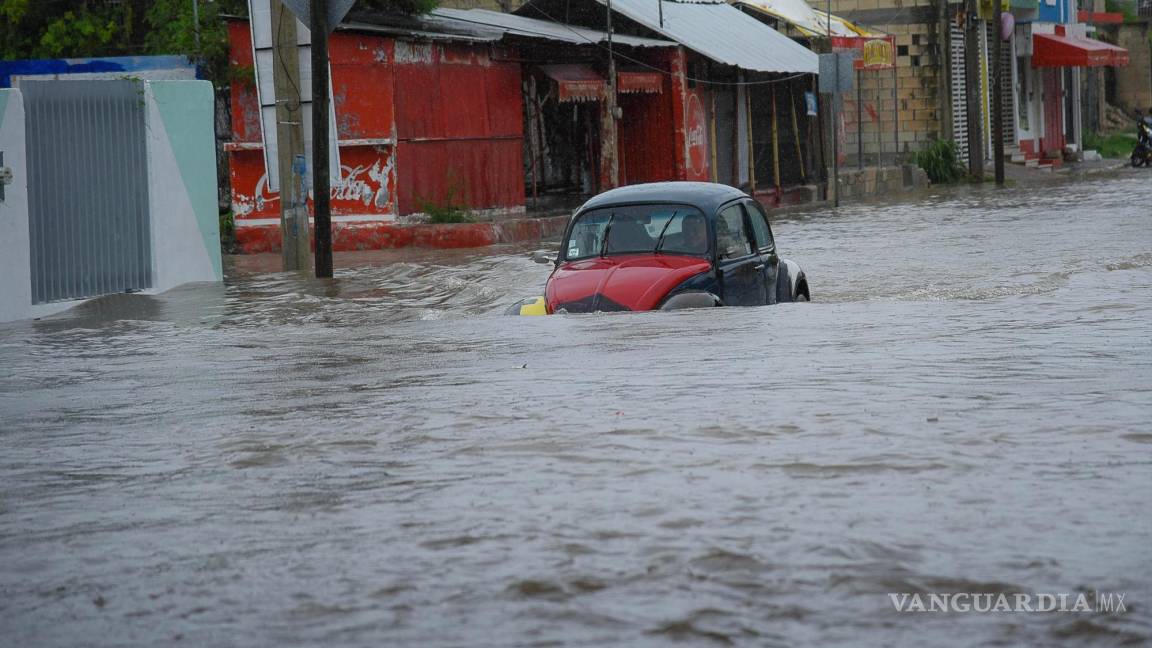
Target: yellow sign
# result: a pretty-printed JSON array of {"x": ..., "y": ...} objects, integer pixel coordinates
[{"x": 877, "y": 53}]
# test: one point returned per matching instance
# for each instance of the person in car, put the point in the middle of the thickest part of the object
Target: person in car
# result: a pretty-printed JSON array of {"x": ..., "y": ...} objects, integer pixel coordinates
[{"x": 695, "y": 234}]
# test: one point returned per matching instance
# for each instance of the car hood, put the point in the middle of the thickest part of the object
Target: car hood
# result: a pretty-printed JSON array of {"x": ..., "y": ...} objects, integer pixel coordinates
[{"x": 614, "y": 283}]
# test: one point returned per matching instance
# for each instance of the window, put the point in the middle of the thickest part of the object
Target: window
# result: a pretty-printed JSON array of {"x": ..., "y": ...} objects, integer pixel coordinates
[
  {"x": 638, "y": 229},
  {"x": 731, "y": 236},
  {"x": 760, "y": 228}
]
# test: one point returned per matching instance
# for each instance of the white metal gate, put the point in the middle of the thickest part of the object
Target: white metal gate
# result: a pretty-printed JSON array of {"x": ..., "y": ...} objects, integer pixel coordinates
[
  {"x": 87, "y": 188},
  {"x": 959, "y": 91}
]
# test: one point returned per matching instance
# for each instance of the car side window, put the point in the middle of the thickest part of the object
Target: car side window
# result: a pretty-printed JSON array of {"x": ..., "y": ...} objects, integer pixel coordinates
[
  {"x": 760, "y": 227},
  {"x": 731, "y": 235}
]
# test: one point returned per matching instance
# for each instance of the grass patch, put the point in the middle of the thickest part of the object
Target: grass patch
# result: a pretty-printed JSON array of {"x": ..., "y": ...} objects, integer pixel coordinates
[
  {"x": 441, "y": 214},
  {"x": 1117, "y": 145}
]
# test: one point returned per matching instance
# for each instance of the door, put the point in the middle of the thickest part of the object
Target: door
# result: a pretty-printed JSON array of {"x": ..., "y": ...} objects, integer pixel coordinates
[
  {"x": 724, "y": 110},
  {"x": 1053, "y": 115},
  {"x": 88, "y": 212},
  {"x": 741, "y": 271},
  {"x": 765, "y": 248}
]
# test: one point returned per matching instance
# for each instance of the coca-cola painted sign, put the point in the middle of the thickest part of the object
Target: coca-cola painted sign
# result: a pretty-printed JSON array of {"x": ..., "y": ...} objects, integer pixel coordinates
[{"x": 697, "y": 135}]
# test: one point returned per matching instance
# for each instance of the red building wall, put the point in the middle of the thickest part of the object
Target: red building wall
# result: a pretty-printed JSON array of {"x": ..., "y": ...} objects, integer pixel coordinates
[
  {"x": 417, "y": 123},
  {"x": 459, "y": 127}
]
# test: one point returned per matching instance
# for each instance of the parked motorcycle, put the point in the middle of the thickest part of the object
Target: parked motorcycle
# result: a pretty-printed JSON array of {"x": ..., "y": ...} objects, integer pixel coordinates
[{"x": 1142, "y": 154}]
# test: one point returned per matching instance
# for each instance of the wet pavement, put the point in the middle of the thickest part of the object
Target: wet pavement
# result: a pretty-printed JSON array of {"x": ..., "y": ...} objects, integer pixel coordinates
[{"x": 384, "y": 460}]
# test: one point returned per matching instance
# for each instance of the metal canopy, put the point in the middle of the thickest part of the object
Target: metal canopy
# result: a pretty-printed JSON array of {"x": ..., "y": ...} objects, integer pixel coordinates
[
  {"x": 722, "y": 33},
  {"x": 514, "y": 25}
]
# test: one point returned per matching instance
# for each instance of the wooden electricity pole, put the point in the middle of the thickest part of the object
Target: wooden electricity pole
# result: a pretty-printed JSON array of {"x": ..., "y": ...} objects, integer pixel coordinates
[
  {"x": 609, "y": 147},
  {"x": 997, "y": 95},
  {"x": 295, "y": 250},
  {"x": 321, "y": 183},
  {"x": 974, "y": 100}
]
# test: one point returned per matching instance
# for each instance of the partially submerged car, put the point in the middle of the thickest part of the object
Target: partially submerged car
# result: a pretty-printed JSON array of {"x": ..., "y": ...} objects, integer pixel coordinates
[{"x": 667, "y": 245}]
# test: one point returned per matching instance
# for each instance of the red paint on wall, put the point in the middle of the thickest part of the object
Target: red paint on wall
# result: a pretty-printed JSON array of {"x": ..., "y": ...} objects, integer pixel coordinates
[{"x": 367, "y": 185}]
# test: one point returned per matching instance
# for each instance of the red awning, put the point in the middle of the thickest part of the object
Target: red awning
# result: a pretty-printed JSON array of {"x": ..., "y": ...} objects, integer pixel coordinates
[
  {"x": 575, "y": 82},
  {"x": 1051, "y": 50},
  {"x": 651, "y": 82}
]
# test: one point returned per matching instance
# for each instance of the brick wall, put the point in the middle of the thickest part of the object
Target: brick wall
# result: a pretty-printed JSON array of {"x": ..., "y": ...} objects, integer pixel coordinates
[{"x": 921, "y": 79}]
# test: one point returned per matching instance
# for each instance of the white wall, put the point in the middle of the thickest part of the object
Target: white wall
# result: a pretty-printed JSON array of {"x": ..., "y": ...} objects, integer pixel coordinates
[
  {"x": 15, "y": 265},
  {"x": 181, "y": 149}
]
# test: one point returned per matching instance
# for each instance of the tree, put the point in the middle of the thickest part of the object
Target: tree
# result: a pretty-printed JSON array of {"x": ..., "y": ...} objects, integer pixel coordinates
[{"x": 89, "y": 28}]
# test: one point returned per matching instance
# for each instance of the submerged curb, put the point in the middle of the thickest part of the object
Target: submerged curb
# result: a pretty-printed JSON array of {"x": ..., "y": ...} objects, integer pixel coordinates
[{"x": 347, "y": 237}]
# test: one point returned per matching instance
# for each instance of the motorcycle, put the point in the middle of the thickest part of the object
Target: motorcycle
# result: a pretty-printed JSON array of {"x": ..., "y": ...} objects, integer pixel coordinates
[{"x": 1142, "y": 154}]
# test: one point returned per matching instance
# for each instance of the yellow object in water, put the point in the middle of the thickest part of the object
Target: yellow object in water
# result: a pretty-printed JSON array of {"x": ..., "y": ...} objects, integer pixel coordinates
[{"x": 534, "y": 307}]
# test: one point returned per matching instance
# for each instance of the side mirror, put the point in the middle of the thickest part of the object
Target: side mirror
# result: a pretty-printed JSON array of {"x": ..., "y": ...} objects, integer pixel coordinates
[{"x": 542, "y": 257}]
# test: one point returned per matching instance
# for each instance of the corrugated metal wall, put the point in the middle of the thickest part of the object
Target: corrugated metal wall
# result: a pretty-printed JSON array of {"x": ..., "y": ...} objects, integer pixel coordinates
[
  {"x": 459, "y": 127},
  {"x": 87, "y": 188}
]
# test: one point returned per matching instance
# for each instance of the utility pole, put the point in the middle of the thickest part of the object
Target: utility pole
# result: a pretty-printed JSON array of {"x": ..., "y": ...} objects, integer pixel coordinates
[
  {"x": 835, "y": 116},
  {"x": 972, "y": 95},
  {"x": 609, "y": 157},
  {"x": 196, "y": 25},
  {"x": 997, "y": 94},
  {"x": 295, "y": 251},
  {"x": 321, "y": 183}
]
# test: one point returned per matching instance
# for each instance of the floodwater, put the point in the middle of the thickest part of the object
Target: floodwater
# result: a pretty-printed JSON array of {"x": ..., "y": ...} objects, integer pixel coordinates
[{"x": 385, "y": 460}]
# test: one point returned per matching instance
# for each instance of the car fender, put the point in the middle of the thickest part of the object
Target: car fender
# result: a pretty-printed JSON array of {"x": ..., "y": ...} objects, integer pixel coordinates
[
  {"x": 690, "y": 299},
  {"x": 788, "y": 281}
]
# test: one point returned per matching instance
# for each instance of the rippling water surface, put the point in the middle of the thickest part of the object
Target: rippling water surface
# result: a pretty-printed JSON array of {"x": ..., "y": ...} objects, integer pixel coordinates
[{"x": 384, "y": 460}]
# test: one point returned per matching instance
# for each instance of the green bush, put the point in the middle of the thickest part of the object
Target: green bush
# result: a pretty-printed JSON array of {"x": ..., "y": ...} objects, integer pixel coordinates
[
  {"x": 939, "y": 161},
  {"x": 228, "y": 243}
]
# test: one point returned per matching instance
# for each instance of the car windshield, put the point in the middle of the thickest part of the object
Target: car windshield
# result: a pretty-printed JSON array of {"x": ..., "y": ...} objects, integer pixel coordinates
[{"x": 638, "y": 229}]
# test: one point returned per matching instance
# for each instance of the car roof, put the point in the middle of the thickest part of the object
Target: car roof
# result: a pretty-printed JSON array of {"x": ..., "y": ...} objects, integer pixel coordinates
[{"x": 708, "y": 196}]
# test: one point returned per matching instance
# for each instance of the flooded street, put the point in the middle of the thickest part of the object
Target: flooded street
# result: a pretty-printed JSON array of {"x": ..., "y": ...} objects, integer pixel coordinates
[{"x": 384, "y": 459}]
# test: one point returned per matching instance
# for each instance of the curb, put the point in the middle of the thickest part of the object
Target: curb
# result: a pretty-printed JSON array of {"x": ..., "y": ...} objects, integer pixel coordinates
[{"x": 347, "y": 237}]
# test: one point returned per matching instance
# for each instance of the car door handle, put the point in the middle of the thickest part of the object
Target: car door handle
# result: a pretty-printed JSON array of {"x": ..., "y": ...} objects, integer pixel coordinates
[{"x": 758, "y": 267}]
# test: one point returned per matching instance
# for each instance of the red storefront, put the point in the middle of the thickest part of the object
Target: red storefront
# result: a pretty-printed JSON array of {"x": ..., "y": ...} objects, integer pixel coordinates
[{"x": 420, "y": 123}]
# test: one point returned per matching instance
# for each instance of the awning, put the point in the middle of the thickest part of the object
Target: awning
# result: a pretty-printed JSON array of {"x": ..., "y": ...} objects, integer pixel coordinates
[
  {"x": 650, "y": 82},
  {"x": 711, "y": 28},
  {"x": 575, "y": 82},
  {"x": 1052, "y": 50}
]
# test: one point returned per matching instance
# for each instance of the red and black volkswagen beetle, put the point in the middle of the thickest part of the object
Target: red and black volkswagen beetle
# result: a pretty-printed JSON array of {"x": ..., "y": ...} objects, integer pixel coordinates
[{"x": 667, "y": 245}]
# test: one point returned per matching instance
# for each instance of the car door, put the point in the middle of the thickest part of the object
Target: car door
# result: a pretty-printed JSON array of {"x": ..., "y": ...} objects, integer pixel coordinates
[
  {"x": 741, "y": 274},
  {"x": 765, "y": 248}
]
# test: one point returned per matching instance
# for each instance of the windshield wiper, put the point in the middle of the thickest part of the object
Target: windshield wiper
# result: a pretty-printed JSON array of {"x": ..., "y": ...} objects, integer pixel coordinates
[
  {"x": 607, "y": 231},
  {"x": 660, "y": 241}
]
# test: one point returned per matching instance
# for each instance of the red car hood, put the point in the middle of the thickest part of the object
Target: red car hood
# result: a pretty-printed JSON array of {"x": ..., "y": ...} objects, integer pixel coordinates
[{"x": 630, "y": 282}]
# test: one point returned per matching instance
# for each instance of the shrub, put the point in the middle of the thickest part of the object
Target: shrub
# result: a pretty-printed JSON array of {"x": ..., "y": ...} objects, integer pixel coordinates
[{"x": 939, "y": 161}]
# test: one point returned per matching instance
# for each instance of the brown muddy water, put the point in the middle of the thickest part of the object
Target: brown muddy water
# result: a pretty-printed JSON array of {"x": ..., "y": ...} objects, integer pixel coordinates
[{"x": 384, "y": 460}]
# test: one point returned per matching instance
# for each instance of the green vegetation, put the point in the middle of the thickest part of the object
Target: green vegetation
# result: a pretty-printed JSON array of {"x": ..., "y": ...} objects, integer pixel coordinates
[
  {"x": 1117, "y": 145},
  {"x": 1126, "y": 7},
  {"x": 939, "y": 160},
  {"x": 446, "y": 214},
  {"x": 228, "y": 243},
  {"x": 31, "y": 29}
]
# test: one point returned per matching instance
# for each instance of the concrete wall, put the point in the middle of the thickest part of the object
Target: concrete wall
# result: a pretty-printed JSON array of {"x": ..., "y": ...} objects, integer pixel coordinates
[
  {"x": 15, "y": 272},
  {"x": 182, "y": 205},
  {"x": 1134, "y": 82},
  {"x": 182, "y": 182}
]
